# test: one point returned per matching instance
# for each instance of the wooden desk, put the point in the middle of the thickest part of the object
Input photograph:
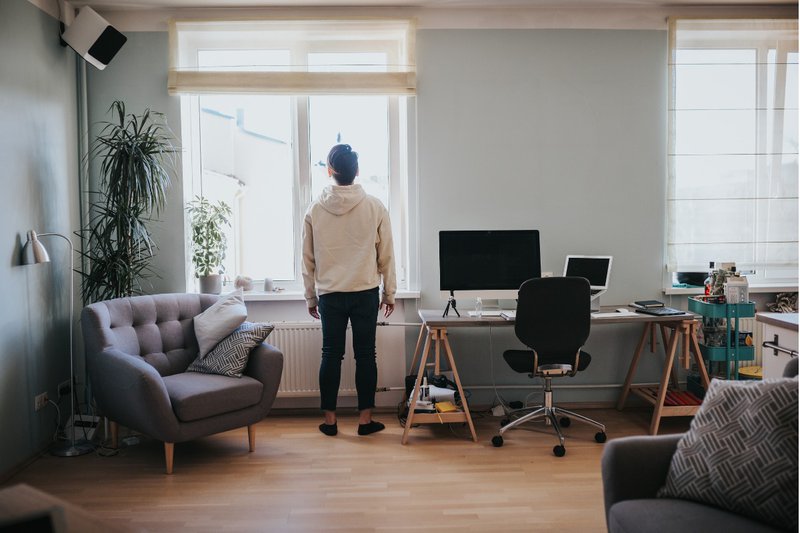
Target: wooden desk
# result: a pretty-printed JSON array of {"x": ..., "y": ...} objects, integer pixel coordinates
[
  {"x": 434, "y": 331},
  {"x": 675, "y": 330}
]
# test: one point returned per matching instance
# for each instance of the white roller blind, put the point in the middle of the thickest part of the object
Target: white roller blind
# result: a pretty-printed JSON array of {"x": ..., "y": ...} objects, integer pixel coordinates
[
  {"x": 294, "y": 57},
  {"x": 733, "y": 146}
]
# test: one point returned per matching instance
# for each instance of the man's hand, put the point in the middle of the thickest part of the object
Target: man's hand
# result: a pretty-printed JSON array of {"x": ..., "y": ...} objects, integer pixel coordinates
[
  {"x": 388, "y": 309},
  {"x": 313, "y": 311}
]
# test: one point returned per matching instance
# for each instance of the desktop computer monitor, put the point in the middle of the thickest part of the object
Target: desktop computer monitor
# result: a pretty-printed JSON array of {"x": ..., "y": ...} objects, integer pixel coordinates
[
  {"x": 487, "y": 263},
  {"x": 595, "y": 268}
]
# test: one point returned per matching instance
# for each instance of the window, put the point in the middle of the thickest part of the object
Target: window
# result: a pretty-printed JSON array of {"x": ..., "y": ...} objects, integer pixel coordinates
[
  {"x": 262, "y": 104},
  {"x": 732, "y": 187}
]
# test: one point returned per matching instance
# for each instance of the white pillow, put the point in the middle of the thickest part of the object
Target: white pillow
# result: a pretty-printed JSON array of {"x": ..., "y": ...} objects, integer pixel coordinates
[{"x": 219, "y": 321}]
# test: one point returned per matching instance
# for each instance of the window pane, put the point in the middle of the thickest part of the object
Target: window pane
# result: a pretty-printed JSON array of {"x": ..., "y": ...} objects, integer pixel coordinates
[
  {"x": 361, "y": 122},
  {"x": 715, "y": 132},
  {"x": 705, "y": 83},
  {"x": 246, "y": 146}
]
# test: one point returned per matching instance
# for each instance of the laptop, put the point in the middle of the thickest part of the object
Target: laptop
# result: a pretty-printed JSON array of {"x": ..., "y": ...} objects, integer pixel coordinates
[{"x": 595, "y": 268}]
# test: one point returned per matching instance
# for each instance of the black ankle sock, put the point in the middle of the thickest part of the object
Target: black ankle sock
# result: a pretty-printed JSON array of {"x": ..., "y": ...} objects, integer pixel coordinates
[
  {"x": 370, "y": 427},
  {"x": 329, "y": 429}
]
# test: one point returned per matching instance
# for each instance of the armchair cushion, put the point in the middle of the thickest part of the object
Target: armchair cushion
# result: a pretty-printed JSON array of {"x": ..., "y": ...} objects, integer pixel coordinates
[
  {"x": 740, "y": 453},
  {"x": 219, "y": 321},
  {"x": 195, "y": 396},
  {"x": 229, "y": 357}
]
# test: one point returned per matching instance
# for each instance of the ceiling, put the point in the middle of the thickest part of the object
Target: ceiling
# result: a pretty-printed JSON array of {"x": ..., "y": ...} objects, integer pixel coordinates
[{"x": 571, "y": 4}]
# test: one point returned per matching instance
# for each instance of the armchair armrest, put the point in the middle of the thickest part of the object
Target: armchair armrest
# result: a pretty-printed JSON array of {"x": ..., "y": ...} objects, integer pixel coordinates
[
  {"x": 266, "y": 365},
  {"x": 636, "y": 467},
  {"x": 131, "y": 391}
]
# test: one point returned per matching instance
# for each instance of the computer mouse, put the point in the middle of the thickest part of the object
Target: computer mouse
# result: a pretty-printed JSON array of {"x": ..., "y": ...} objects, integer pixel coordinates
[{"x": 622, "y": 310}]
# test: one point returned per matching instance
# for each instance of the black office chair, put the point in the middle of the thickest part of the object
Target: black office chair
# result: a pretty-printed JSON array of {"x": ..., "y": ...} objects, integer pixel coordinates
[{"x": 553, "y": 320}]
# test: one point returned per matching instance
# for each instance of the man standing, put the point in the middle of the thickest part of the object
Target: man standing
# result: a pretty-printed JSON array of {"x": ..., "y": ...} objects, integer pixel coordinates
[{"x": 347, "y": 255}]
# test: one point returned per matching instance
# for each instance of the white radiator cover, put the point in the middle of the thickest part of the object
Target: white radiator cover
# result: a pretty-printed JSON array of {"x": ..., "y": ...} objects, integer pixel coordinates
[{"x": 301, "y": 344}]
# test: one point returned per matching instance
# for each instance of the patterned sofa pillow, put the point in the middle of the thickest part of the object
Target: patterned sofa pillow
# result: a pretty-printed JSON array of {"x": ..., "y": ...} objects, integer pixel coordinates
[
  {"x": 740, "y": 453},
  {"x": 230, "y": 356}
]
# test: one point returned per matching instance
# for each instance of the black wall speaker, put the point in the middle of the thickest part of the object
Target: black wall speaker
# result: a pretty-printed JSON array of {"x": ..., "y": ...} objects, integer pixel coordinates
[{"x": 93, "y": 38}]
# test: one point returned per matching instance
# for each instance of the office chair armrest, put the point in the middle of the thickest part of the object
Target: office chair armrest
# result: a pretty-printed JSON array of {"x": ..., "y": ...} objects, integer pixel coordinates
[{"x": 636, "y": 467}]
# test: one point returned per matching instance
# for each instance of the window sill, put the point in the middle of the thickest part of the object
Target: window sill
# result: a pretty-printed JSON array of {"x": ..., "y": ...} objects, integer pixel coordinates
[
  {"x": 278, "y": 296},
  {"x": 752, "y": 288}
]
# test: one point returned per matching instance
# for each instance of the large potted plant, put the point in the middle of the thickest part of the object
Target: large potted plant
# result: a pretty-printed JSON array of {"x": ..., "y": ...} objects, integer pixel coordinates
[
  {"x": 136, "y": 157},
  {"x": 209, "y": 242}
]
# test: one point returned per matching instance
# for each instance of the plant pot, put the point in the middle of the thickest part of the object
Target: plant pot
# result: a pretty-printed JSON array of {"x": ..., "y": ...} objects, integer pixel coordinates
[{"x": 211, "y": 284}]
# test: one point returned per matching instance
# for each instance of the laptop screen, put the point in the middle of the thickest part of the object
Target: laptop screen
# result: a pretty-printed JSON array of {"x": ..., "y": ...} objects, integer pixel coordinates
[{"x": 597, "y": 269}]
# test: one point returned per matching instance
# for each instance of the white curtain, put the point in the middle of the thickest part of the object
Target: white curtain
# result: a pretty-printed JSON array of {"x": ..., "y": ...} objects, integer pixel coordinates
[
  {"x": 733, "y": 146},
  {"x": 294, "y": 57}
]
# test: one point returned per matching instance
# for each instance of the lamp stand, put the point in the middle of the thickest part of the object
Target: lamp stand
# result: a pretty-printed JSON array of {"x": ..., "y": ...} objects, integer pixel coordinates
[{"x": 73, "y": 447}]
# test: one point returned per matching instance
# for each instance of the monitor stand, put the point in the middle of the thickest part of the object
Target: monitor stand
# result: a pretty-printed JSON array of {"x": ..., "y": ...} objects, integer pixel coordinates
[
  {"x": 595, "y": 304},
  {"x": 451, "y": 302}
]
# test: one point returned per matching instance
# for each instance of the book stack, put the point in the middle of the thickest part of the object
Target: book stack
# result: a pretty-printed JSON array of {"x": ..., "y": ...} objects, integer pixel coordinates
[
  {"x": 654, "y": 307},
  {"x": 646, "y": 304}
]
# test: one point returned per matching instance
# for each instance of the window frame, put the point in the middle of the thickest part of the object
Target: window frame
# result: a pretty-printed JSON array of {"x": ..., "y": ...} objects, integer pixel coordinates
[
  {"x": 762, "y": 48},
  {"x": 399, "y": 109}
]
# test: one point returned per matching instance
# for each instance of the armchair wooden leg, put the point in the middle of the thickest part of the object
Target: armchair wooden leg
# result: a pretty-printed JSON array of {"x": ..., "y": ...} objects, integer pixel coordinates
[
  {"x": 114, "y": 430},
  {"x": 169, "y": 451},
  {"x": 251, "y": 436}
]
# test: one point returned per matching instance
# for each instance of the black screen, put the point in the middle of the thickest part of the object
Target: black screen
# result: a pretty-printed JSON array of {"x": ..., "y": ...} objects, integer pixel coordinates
[
  {"x": 488, "y": 260},
  {"x": 595, "y": 269}
]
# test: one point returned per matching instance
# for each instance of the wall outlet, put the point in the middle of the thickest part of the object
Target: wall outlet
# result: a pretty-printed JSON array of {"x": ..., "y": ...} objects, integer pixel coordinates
[{"x": 40, "y": 401}]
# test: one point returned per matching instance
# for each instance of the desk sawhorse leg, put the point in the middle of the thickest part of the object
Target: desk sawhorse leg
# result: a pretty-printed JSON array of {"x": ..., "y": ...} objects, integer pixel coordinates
[
  {"x": 436, "y": 337},
  {"x": 685, "y": 331}
]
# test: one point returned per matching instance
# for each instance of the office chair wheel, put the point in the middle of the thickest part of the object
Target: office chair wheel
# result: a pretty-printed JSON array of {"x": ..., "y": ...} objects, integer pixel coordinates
[
  {"x": 564, "y": 422},
  {"x": 600, "y": 437},
  {"x": 504, "y": 422},
  {"x": 497, "y": 441},
  {"x": 559, "y": 451}
]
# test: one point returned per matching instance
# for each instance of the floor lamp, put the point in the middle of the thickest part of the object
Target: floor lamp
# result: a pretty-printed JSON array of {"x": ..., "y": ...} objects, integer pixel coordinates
[{"x": 33, "y": 253}]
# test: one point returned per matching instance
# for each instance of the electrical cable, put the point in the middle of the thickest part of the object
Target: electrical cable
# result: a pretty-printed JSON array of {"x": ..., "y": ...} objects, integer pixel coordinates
[{"x": 58, "y": 419}]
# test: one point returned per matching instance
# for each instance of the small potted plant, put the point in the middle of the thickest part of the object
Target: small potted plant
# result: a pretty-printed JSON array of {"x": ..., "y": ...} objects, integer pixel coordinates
[{"x": 209, "y": 241}]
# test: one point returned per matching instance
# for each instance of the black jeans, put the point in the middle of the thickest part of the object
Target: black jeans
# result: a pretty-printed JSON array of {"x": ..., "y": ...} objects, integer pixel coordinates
[{"x": 361, "y": 309}]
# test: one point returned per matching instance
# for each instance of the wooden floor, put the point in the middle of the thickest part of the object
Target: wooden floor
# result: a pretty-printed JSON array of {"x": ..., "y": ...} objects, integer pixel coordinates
[{"x": 300, "y": 480}]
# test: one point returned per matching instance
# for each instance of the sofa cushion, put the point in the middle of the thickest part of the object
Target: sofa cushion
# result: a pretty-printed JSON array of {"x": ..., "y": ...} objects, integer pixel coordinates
[
  {"x": 668, "y": 516},
  {"x": 196, "y": 396},
  {"x": 229, "y": 357},
  {"x": 219, "y": 321},
  {"x": 740, "y": 453}
]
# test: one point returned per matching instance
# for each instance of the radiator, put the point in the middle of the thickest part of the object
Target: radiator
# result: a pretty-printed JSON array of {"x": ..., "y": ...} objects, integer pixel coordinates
[
  {"x": 750, "y": 324},
  {"x": 301, "y": 344}
]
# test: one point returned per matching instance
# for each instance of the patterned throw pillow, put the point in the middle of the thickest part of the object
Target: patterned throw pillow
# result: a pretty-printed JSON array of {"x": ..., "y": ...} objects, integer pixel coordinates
[
  {"x": 229, "y": 357},
  {"x": 740, "y": 452}
]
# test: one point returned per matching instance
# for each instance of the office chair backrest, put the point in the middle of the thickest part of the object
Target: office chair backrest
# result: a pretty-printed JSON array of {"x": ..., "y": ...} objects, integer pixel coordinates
[{"x": 553, "y": 315}]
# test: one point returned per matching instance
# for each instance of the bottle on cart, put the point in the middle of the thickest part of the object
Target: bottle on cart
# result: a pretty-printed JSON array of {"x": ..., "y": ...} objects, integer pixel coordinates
[
  {"x": 709, "y": 282},
  {"x": 478, "y": 307}
]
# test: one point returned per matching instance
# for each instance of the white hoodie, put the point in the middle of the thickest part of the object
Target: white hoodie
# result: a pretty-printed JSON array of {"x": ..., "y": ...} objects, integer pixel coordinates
[{"x": 347, "y": 244}]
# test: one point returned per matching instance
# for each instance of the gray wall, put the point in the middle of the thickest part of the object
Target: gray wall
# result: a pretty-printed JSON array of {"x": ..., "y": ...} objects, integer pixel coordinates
[
  {"x": 39, "y": 176},
  {"x": 138, "y": 77},
  {"x": 563, "y": 131}
]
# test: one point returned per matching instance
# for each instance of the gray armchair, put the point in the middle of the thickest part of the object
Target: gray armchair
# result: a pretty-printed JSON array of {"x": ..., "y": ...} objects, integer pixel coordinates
[
  {"x": 137, "y": 351},
  {"x": 635, "y": 468}
]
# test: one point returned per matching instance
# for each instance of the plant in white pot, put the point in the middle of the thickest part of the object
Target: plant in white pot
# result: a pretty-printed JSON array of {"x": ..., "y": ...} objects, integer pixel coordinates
[{"x": 209, "y": 241}]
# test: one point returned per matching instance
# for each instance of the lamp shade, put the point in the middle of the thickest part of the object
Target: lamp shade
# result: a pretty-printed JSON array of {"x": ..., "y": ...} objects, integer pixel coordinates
[{"x": 34, "y": 251}]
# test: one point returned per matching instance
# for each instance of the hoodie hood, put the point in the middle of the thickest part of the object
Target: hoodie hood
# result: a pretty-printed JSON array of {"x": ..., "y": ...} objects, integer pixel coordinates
[{"x": 340, "y": 199}]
